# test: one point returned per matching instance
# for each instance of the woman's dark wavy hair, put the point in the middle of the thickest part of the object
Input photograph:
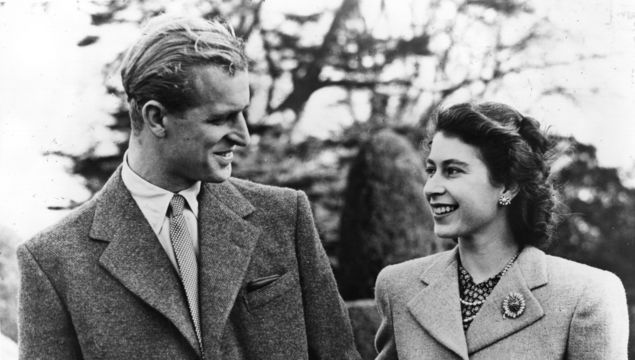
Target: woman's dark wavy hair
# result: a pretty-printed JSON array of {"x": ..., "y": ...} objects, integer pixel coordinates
[{"x": 515, "y": 151}]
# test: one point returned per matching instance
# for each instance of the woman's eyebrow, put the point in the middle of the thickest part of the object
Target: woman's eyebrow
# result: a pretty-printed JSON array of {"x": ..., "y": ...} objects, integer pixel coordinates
[
  {"x": 449, "y": 162},
  {"x": 454, "y": 162}
]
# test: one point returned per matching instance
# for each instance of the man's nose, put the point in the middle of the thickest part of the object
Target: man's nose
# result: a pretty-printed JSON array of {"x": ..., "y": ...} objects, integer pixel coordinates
[{"x": 240, "y": 133}]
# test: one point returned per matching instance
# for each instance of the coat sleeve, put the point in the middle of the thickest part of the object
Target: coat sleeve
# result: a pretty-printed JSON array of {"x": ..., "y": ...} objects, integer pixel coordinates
[
  {"x": 385, "y": 337},
  {"x": 45, "y": 329},
  {"x": 328, "y": 327},
  {"x": 599, "y": 327}
]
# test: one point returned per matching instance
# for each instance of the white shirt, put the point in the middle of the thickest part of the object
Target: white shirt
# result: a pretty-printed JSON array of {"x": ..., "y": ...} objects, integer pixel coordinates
[{"x": 154, "y": 202}]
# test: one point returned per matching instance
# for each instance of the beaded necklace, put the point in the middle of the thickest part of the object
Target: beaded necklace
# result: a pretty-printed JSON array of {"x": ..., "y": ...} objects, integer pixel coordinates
[{"x": 472, "y": 295}]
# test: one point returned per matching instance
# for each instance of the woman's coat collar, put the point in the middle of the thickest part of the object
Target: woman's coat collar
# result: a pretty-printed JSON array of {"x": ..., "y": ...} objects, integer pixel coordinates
[{"x": 438, "y": 310}]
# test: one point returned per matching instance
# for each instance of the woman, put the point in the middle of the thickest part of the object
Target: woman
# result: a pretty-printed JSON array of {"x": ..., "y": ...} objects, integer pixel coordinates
[{"x": 496, "y": 295}]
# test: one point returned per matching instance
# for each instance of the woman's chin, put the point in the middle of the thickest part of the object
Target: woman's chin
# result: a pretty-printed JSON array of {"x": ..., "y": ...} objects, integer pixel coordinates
[{"x": 445, "y": 233}]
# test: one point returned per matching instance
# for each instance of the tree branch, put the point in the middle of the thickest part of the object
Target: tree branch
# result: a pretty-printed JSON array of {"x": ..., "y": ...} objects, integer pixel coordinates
[{"x": 305, "y": 76}]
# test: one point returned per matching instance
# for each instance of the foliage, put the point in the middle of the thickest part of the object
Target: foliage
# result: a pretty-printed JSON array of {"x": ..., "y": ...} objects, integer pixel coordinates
[
  {"x": 447, "y": 50},
  {"x": 9, "y": 279},
  {"x": 598, "y": 227},
  {"x": 385, "y": 219}
]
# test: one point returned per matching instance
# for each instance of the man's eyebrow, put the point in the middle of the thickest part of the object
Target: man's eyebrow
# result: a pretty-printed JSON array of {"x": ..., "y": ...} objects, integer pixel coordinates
[{"x": 229, "y": 112}]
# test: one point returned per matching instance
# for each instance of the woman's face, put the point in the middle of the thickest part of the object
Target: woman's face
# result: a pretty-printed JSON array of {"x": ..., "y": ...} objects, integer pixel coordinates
[{"x": 463, "y": 201}]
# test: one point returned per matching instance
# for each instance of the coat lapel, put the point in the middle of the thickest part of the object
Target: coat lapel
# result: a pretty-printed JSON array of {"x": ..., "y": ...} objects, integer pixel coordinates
[
  {"x": 437, "y": 307},
  {"x": 226, "y": 242},
  {"x": 489, "y": 326},
  {"x": 135, "y": 257}
]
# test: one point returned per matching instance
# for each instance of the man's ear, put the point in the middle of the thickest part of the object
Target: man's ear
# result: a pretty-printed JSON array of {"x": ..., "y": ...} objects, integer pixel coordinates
[{"x": 153, "y": 114}]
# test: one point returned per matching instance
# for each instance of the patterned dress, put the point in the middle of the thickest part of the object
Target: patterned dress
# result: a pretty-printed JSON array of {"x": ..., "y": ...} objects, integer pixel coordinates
[{"x": 473, "y": 295}]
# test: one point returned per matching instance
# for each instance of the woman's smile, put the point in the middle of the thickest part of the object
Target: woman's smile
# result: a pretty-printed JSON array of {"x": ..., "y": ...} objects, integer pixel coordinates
[{"x": 441, "y": 210}]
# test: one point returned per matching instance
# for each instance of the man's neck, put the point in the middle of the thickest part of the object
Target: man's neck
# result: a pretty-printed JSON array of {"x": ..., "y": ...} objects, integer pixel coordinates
[{"x": 147, "y": 165}]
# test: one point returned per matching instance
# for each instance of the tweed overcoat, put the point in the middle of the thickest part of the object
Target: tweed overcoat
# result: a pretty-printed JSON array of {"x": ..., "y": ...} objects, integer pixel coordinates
[
  {"x": 98, "y": 285},
  {"x": 573, "y": 311}
]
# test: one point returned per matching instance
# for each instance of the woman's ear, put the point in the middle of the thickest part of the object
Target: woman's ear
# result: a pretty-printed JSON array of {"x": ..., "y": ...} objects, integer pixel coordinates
[
  {"x": 153, "y": 114},
  {"x": 507, "y": 194},
  {"x": 510, "y": 191}
]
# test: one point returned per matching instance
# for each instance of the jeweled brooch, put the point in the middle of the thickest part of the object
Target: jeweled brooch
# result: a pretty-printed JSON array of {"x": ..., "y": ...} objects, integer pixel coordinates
[{"x": 513, "y": 305}]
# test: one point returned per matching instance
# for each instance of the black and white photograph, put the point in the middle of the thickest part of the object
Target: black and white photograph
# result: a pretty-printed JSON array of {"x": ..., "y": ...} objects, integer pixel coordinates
[{"x": 337, "y": 179}]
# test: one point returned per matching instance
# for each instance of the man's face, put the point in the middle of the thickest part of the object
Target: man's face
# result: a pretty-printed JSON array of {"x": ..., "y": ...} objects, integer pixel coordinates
[{"x": 199, "y": 142}]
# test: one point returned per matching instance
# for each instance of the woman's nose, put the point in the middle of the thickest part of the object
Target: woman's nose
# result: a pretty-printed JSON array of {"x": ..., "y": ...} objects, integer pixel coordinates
[{"x": 433, "y": 186}]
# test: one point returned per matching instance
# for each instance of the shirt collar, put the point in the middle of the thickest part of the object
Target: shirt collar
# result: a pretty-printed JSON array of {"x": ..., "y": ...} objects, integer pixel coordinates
[{"x": 154, "y": 200}]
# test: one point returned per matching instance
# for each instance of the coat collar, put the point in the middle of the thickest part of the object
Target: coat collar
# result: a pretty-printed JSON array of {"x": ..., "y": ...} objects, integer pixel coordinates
[
  {"x": 227, "y": 241},
  {"x": 438, "y": 310},
  {"x": 135, "y": 257},
  {"x": 437, "y": 307},
  {"x": 528, "y": 273}
]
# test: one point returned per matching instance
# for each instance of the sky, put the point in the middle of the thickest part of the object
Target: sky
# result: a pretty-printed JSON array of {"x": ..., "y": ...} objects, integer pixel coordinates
[{"x": 53, "y": 96}]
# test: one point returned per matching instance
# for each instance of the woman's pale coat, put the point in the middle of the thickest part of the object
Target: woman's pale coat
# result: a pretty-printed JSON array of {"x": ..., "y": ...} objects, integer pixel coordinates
[{"x": 573, "y": 311}]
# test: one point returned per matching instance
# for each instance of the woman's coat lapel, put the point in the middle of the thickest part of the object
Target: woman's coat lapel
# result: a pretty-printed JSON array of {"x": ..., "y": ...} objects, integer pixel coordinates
[
  {"x": 437, "y": 307},
  {"x": 489, "y": 326}
]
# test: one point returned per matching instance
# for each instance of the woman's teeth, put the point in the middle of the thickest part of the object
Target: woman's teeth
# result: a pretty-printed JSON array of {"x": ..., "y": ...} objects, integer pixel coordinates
[{"x": 441, "y": 210}]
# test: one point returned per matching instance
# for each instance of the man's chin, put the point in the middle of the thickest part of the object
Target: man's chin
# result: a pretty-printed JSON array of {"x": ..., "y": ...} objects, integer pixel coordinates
[{"x": 218, "y": 176}]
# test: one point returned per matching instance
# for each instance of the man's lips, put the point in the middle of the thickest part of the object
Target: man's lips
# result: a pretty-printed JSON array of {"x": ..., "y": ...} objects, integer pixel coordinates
[
  {"x": 228, "y": 155},
  {"x": 224, "y": 157}
]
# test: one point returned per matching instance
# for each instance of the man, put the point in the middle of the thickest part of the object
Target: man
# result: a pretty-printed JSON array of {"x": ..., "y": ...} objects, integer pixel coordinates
[{"x": 173, "y": 259}]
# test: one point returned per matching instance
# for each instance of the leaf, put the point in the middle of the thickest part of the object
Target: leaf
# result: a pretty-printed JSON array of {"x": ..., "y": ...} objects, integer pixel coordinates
[{"x": 88, "y": 40}]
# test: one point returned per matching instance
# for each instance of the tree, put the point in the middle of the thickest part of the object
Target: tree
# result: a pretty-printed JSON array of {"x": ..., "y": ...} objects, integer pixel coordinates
[
  {"x": 9, "y": 279},
  {"x": 598, "y": 226},
  {"x": 385, "y": 219}
]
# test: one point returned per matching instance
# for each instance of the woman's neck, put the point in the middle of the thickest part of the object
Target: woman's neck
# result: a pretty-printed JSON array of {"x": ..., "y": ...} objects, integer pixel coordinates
[{"x": 484, "y": 257}]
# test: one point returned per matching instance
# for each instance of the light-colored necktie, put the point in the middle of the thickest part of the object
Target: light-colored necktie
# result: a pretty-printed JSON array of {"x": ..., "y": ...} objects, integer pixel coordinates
[{"x": 185, "y": 259}]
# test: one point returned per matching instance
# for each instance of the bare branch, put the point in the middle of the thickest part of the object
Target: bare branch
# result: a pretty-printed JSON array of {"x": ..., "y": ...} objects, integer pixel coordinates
[
  {"x": 272, "y": 68},
  {"x": 370, "y": 84},
  {"x": 306, "y": 78},
  {"x": 560, "y": 91},
  {"x": 507, "y": 7},
  {"x": 253, "y": 9},
  {"x": 547, "y": 64}
]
